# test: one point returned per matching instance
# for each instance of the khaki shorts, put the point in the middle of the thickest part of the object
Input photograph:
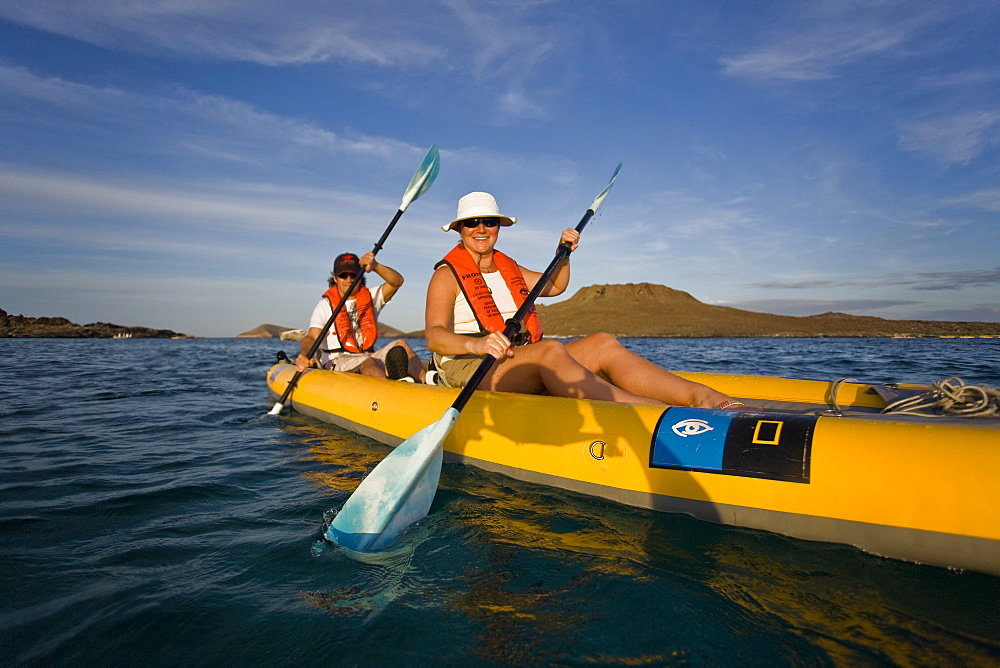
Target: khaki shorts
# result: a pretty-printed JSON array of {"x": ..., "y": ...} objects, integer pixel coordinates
[
  {"x": 457, "y": 371},
  {"x": 350, "y": 362}
]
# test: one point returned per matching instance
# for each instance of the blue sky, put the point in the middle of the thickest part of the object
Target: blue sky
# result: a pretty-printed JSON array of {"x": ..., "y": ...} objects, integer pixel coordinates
[{"x": 197, "y": 165}]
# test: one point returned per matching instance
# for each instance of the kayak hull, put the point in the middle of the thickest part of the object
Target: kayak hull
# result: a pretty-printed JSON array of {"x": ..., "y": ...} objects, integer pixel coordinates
[{"x": 919, "y": 489}]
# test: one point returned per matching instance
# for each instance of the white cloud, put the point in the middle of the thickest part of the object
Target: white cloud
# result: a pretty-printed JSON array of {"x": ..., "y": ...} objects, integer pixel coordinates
[
  {"x": 269, "y": 33},
  {"x": 502, "y": 49},
  {"x": 182, "y": 121},
  {"x": 807, "y": 59},
  {"x": 955, "y": 139},
  {"x": 987, "y": 199},
  {"x": 807, "y": 307},
  {"x": 237, "y": 206},
  {"x": 817, "y": 40},
  {"x": 959, "y": 81}
]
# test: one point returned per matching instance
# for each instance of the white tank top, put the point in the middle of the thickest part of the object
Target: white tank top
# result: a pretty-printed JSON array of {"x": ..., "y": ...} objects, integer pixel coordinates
[{"x": 465, "y": 319}]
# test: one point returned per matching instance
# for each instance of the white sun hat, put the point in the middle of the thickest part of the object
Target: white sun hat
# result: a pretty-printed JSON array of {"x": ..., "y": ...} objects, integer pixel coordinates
[{"x": 478, "y": 205}]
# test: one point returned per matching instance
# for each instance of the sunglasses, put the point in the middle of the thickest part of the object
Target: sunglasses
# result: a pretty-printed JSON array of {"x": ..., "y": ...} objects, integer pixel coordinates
[
  {"x": 469, "y": 223},
  {"x": 346, "y": 275}
]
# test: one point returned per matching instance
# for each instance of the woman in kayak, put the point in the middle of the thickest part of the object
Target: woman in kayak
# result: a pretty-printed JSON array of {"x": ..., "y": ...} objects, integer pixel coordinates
[{"x": 475, "y": 288}]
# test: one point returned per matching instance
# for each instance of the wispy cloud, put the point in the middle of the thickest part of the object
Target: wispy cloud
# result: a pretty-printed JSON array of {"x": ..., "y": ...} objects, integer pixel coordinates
[
  {"x": 956, "y": 139},
  {"x": 804, "y": 307},
  {"x": 930, "y": 280},
  {"x": 796, "y": 285},
  {"x": 972, "y": 313},
  {"x": 521, "y": 51},
  {"x": 885, "y": 308},
  {"x": 960, "y": 80},
  {"x": 181, "y": 119},
  {"x": 502, "y": 48},
  {"x": 818, "y": 40},
  {"x": 692, "y": 215},
  {"x": 268, "y": 33},
  {"x": 987, "y": 199},
  {"x": 808, "y": 59},
  {"x": 954, "y": 280},
  {"x": 239, "y": 205}
]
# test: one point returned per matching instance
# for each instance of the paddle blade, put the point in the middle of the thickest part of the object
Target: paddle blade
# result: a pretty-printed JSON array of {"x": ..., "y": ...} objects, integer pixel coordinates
[
  {"x": 596, "y": 204},
  {"x": 276, "y": 409},
  {"x": 396, "y": 493},
  {"x": 423, "y": 177}
]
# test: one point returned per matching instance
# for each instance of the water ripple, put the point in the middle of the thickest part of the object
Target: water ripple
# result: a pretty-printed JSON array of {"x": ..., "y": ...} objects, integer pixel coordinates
[{"x": 150, "y": 508}]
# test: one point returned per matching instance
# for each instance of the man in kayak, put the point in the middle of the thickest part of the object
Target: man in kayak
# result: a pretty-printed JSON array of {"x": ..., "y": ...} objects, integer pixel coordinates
[
  {"x": 475, "y": 288},
  {"x": 350, "y": 343}
]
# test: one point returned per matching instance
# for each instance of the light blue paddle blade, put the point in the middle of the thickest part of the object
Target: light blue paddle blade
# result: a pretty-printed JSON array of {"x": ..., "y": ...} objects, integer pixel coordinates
[
  {"x": 596, "y": 204},
  {"x": 423, "y": 177},
  {"x": 396, "y": 493}
]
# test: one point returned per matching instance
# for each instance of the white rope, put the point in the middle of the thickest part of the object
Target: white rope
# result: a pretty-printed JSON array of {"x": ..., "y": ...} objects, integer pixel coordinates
[{"x": 950, "y": 397}]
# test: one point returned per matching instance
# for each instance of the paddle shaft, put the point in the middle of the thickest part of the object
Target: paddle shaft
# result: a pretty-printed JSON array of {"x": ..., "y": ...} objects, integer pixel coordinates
[
  {"x": 421, "y": 181},
  {"x": 333, "y": 316},
  {"x": 513, "y": 324}
]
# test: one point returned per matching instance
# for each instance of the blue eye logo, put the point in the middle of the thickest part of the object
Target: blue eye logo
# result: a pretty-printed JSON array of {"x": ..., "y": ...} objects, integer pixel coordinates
[{"x": 691, "y": 427}]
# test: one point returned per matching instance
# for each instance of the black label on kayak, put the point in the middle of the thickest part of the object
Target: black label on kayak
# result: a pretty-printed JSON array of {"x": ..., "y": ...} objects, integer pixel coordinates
[{"x": 755, "y": 445}]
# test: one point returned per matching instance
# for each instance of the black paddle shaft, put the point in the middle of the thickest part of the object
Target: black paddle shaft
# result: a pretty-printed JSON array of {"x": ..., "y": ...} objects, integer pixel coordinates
[
  {"x": 333, "y": 316},
  {"x": 513, "y": 325}
]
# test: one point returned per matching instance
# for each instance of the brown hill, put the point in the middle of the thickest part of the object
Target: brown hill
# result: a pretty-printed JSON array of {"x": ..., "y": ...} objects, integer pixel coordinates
[
  {"x": 645, "y": 309},
  {"x": 389, "y": 332},
  {"x": 266, "y": 331}
]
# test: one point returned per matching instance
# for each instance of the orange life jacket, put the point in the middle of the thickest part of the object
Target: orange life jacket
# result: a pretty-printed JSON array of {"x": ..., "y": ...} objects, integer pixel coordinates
[
  {"x": 478, "y": 294},
  {"x": 366, "y": 319}
]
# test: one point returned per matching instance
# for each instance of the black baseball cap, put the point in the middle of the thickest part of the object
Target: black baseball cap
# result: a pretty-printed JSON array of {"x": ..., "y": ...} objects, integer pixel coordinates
[{"x": 347, "y": 262}]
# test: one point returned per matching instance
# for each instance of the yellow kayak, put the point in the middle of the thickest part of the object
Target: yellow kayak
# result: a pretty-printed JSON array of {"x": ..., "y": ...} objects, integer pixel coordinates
[{"x": 808, "y": 464}]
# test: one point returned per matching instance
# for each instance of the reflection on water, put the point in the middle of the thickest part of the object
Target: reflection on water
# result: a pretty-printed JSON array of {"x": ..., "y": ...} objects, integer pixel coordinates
[
  {"x": 851, "y": 606},
  {"x": 347, "y": 457},
  {"x": 151, "y": 509},
  {"x": 536, "y": 574}
]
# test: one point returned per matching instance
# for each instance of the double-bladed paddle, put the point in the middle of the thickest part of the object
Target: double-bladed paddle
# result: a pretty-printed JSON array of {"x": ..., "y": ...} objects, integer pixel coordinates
[
  {"x": 399, "y": 491},
  {"x": 421, "y": 181}
]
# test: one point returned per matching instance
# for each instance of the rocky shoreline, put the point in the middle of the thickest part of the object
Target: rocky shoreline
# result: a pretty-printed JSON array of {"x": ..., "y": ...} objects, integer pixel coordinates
[{"x": 22, "y": 327}]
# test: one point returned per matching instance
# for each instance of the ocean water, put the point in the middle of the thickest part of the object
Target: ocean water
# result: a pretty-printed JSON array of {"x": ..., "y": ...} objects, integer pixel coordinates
[{"x": 152, "y": 514}]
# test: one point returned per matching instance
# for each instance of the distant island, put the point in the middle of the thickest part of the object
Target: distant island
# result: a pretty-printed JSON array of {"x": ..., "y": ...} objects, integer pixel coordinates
[
  {"x": 645, "y": 309},
  {"x": 267, "y": 331},
  {"x": 630, "y": 310},
  {"x": 21, "y": 327}
]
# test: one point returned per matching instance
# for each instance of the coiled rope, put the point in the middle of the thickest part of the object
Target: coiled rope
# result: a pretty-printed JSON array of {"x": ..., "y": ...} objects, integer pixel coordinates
[{"x": 950, "y": 397}]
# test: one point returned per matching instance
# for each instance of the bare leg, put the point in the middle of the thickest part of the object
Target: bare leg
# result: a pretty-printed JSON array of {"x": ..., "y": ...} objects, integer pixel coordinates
[
  {"x": 604, "y": 354},
  {"x": 414, "y": 367},
  {"x": 372, "y": 367},
  {"x": 548, "y": 366}
]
